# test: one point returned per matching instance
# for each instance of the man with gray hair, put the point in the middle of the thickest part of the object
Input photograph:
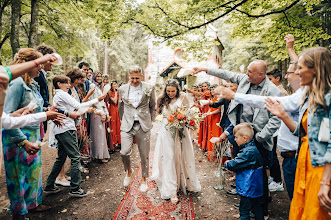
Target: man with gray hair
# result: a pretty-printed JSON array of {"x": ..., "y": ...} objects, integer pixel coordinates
[
  {"x": 264, "y": 123},
  {"x": 137, "y": 112}
]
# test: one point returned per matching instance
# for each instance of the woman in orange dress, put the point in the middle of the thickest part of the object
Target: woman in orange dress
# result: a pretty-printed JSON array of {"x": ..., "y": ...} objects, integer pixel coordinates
[
  {"x": 311, "y": 196},
  {"x": 109, "y": 135},
  {"x": 203, "y": 95},
  {"x": 115, "y": 117},
  {"x": 213, "y": 117}
]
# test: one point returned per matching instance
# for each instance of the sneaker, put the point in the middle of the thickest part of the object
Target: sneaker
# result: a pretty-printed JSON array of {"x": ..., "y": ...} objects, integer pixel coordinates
[
  {"x": 78, "y": 193},
  {"x": 232, "y": 192},
  {"x": 270, "y": 180},
  {"x": 127, "y": 179},
  {"x": 236, "y": 205},
  {"x": 273, "y": 187},
  {"x": 52, "y": 190}
]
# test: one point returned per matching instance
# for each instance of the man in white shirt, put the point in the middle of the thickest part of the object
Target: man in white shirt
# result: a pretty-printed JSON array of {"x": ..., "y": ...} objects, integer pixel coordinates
[{"x": 137, "y": 112}]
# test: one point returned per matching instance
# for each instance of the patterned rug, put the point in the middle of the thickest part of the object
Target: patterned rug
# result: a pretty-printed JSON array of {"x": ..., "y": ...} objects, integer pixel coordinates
[{"x": 149, "y": 205}]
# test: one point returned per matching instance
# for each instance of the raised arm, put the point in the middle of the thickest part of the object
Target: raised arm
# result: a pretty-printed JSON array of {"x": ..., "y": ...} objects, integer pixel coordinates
[{"x": 289, "y": 47}]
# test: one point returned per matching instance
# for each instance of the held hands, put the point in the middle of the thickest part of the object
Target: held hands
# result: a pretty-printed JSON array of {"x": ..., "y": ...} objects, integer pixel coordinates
[
  {"x": 30, "y": 148},
  {"x": 275, "y": 107},
  {"x": 289, "y": 41},
  {"x": 198, "y": 70}
]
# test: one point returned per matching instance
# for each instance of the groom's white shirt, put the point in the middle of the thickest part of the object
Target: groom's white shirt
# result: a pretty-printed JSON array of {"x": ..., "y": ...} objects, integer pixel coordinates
[{"x": 135, "y": 95}]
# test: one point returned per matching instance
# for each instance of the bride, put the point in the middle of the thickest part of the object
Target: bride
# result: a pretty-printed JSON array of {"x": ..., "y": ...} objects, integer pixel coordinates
[{"x": 173, "y": 163}]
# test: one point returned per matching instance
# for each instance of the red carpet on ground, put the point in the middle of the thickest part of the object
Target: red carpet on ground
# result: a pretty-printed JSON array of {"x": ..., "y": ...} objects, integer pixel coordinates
[{"x": 149, "y": 205}]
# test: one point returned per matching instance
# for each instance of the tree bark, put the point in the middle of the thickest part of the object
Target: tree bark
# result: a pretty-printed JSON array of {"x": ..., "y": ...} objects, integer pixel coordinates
[
  {"x": 15, "y": 23},
  {"x": 33, "y": 34}
]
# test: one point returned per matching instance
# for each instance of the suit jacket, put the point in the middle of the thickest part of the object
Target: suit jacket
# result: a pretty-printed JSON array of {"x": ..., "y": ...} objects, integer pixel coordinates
[
  {"x": 41, "y": 80},
  {"x": 145, "y": 109},
  {"x": 264, "y": 123}
]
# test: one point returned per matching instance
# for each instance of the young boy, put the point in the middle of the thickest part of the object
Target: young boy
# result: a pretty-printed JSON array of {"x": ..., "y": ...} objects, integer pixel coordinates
[
  {"x": 67, "y": 138},
  {"x": 248, "y": 168}
]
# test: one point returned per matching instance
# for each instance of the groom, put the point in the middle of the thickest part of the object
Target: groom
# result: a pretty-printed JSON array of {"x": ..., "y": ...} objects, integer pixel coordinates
[{"x": 137, "y": 112}]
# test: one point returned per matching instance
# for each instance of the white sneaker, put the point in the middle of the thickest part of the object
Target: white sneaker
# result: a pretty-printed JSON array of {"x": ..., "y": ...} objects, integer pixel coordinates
[
  {"x": 270, "y": 180},
  {"x": 127, "y": 179},
  {"x": 143, "y": 188},
  {"x": 62, "y": 183},
  {"x": 273, "y": 187}
]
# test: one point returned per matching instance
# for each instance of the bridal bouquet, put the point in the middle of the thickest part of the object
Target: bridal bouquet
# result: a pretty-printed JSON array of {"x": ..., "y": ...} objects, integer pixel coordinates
[{"x": 182, "y": 117}]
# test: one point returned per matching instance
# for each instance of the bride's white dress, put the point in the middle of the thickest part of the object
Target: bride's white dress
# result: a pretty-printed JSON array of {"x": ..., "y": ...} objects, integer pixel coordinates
[{"x": 173, "y": 162}]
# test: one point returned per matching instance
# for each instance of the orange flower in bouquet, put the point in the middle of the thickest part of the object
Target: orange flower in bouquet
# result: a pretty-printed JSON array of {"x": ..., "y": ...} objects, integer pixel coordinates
[{"x": 180, "y": 118}]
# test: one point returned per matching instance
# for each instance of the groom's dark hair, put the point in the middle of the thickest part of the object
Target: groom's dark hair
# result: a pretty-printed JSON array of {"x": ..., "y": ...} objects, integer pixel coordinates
[{"x": 135, "y": 69}]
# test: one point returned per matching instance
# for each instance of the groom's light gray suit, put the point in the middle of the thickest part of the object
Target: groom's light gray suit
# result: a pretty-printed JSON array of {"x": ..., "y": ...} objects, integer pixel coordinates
[{"x": 136, "y": 122}]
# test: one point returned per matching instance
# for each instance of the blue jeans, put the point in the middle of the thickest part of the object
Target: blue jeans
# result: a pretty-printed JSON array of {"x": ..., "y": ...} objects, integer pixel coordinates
[
  {"x": 248, "y": 204},
  {"x": 289, "y": 167}
]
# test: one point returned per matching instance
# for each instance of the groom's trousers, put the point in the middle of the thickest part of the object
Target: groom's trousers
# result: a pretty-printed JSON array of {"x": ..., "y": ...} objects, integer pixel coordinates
[{"x": 143, "y": 141}]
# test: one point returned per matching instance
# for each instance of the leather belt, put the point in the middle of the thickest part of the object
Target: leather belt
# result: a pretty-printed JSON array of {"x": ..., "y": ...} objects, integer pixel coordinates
[{"x": 288, "y": 154}]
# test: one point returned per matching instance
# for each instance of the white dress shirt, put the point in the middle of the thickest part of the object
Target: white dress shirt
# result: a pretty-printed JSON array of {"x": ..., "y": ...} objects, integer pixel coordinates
[
  {"x": 67, "y": 103},
  {"x": 9, "y": 122},
  {"x": 135, "y": 95}
]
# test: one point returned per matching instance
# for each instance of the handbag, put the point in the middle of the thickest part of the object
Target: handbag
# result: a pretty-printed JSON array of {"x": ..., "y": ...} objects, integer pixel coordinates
[{"x": 324, "y": 132}]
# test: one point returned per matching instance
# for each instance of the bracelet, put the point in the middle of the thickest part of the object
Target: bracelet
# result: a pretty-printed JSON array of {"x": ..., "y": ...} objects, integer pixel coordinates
[
  {"x": 325, "y": 183},
  {"x": 66, "y": 114},
  {"x": 22, "y": 143},
  {"x": 36, "y": 63}
]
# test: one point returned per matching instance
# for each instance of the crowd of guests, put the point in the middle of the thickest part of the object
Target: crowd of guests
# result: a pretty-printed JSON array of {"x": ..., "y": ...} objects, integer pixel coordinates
[
  {"x": 252, "y": 111},
  {"x": 93, "y": 132},
  {"x": 258, "y": 117}
]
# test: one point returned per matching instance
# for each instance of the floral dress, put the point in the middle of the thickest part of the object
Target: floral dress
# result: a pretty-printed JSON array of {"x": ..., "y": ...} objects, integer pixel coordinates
[{"x": 23, "y": 171}]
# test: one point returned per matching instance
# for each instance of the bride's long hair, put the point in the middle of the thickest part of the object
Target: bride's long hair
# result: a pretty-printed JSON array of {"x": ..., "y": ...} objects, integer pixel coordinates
[{"x": 165, "y": 99}]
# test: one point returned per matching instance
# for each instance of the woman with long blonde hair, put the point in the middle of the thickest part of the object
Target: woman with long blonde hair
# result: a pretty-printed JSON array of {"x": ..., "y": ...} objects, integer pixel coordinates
[{"x": 311, "y": 196}]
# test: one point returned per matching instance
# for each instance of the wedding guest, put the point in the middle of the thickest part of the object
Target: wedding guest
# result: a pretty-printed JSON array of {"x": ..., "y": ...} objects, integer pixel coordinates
[
  {"x": 311, "y": 196},
  {"x": 67, "y": 138},
  {"x": 114, "y": 114},
  {"x": 41, "y": 79},
  {"x": 21, "y": 158},
  {"x": 212, "y": 118},
  {"x": 89, "y": 74},
  {"x": 98, "y": 144},
  {"x": 105, "y": 79},
  {"x": 76, "y": 77},
  {"x": 275, "y": 76},
  {"x": 248, "y": 167}
]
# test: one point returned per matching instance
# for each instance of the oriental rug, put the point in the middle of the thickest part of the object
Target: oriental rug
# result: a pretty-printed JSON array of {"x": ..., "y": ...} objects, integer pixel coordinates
[{"x": 149, "y": 205}]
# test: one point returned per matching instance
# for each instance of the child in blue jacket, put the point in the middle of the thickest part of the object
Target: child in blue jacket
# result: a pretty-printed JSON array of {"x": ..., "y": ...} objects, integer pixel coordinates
[{"x": 248, "y": 167}]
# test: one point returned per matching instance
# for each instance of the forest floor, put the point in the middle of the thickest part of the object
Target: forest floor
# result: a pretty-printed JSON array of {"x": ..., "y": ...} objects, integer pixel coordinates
[{"x": 104, "y": 185}]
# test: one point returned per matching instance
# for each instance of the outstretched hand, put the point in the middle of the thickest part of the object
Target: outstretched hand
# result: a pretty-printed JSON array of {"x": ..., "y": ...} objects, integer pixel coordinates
[
  {"x": 46, "y": 58},
  {"x": 226, "y": 93},
  {"x": 198, "y": 70},
  {"x": 275, "y": 107},
  {"x": 22, "y": 111}
]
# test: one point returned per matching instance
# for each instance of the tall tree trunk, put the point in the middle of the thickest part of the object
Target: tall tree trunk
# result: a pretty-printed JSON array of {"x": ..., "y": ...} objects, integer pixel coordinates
[
  {"x": 33, "y": 35},
  {"x": 15, "y": 23}
]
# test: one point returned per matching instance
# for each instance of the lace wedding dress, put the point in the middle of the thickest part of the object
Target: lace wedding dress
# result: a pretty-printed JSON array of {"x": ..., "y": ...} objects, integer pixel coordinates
[{"x": 174, "y": 163}]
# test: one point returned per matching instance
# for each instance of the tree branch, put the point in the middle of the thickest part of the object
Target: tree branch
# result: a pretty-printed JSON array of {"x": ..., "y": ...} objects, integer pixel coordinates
[
  {"x": 4, "y": 39},
  {"x": 269, "y": 13}
]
